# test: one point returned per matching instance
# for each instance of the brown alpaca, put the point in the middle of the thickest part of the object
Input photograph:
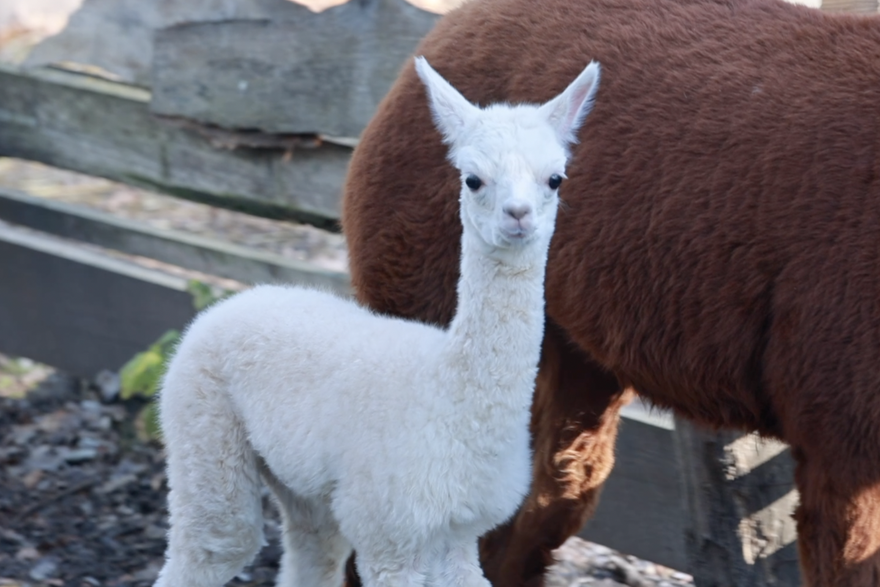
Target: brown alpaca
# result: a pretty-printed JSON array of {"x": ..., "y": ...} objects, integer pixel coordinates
[{"x": 719, "y": 250}]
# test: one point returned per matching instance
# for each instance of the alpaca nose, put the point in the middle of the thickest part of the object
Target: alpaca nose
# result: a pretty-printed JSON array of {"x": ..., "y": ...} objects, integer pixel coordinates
[{"x": 517, "y": 210}]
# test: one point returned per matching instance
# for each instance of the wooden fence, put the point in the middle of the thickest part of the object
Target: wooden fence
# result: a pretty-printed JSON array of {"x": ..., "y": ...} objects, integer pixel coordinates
[{"x": 214, "y": 126}]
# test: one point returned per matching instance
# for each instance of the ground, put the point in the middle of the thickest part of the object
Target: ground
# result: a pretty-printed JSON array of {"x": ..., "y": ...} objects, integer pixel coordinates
[{"x": 83, "y": 498}]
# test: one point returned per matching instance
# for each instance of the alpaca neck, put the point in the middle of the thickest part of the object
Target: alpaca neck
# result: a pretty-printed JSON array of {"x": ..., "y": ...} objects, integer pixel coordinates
[{"x": 495, "y": 337}]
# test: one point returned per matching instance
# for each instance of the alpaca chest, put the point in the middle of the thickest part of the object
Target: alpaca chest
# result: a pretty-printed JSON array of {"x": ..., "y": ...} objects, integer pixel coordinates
[{"x": 491, "y": 485}]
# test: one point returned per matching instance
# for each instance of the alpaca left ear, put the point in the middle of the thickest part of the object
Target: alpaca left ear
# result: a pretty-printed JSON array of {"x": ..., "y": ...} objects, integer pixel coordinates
[
  {"x": 566, "y": 112},
  {"x": 451, "y": 110}
]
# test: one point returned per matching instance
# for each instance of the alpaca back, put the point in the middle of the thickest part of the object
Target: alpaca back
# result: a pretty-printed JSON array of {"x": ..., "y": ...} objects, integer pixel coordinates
[
  {"x": 721, "y": 206},
  {"x": 308, "y": 374}
]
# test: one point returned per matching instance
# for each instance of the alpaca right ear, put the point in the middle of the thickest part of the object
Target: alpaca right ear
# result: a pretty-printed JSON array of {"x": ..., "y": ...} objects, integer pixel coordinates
[
  {"x": 450, "y": 109},
  {"x": 566, "y": 112}
]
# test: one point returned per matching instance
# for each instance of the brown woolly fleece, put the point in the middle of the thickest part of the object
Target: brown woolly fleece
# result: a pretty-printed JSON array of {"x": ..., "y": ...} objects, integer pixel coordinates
[{"x": 718, "y": 249}]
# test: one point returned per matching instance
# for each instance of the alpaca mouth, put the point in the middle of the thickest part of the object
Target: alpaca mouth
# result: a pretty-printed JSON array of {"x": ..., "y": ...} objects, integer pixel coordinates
[{"x": 517, "y": 236}]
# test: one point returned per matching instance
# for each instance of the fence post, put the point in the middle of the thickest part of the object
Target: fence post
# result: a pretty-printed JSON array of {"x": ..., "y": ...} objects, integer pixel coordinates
[{"x": 739, "y": 498}]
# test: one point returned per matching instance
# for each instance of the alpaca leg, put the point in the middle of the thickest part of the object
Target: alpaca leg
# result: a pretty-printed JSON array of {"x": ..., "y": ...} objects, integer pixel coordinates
[
  {"x": 838, "y": 521},
  {"x": 574, "y": 426},
  {"x": 214, "y": 502},
  {"x": 314, "y": 549},
  {"x": 460, "y": 567},
  {"x": 388, "y": 568}
]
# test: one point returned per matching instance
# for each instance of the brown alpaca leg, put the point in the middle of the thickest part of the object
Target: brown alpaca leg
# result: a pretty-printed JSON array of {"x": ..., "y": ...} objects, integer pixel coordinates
[
  {"x": 351, "y": 577},
  {"x": 574, "y": 426},
  {"x": 838, "y": 522}
]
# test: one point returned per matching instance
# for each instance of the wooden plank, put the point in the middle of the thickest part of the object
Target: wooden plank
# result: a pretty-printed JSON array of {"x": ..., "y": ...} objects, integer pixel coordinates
[
  {"x": 716, "y": 505},
  {"x": 308, "y": 73},
  {"x": 641, "y": 508},
  {"x": 189, "y": 251},
  {"x": 857, "y": 6},
  {"x": 739, "y": 496},
  {"x": 80, "y": 311},
  {"x": 124, "y": 47},
  {"x": 105, "y": 128}
]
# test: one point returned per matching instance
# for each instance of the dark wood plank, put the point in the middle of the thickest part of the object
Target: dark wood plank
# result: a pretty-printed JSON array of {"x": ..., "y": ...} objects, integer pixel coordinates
[
  {"x": 189, "y": 251},
  {"x": 858, "y": 6},
  {"x": 105, "y": 128},
  {"x": 124, "y": 47},
  {"x": 303, "y": 73},
  {"x": 739, "y": 496},
  {"x": 641, "y": 508},
  {"x": 80, "y": 311}
]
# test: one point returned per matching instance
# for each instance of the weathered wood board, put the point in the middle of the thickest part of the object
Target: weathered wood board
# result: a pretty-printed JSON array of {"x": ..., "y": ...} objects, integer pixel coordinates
[
  {"x": 857, "y": 6},
  {"x": 105, "y": 128},
  {"x": 641, "y": 510},
  {"x": 117, "y": 35},
  {"x": 316, "y": 73},
  {"x": 739, "y": 499},
  {"x": 192, "y": 252},
  {"x": 80, "y": 311}
]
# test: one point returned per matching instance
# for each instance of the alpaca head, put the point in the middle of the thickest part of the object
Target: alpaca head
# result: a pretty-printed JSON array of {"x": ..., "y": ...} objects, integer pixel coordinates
[{"x": 511, "y": 158}]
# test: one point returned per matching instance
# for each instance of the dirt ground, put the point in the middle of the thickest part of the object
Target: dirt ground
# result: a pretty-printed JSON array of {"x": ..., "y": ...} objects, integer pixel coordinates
[{"x": 82, "y": 498}]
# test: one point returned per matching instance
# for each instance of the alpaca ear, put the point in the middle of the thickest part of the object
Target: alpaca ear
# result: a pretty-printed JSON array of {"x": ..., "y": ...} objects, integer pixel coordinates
[
  {"x": 566, "y": 112},
  {"x": 451, "y": 110}
]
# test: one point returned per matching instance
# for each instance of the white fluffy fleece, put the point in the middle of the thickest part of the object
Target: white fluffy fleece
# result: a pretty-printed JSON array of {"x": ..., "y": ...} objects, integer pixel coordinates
[{"x": 401, "y": 440}]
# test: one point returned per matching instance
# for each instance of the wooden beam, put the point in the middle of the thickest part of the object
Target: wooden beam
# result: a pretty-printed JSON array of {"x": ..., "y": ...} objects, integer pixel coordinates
[
  {"x": 857, "y": 6},
  {"x": 105, "y": 128},
  {"x": 641, "y": 510},
  {"x": 189, "y": 251},
  {"x": 301, "y": 73},
  {"x": 739, "y": 498},
  {"x": 78, "y": 310}
]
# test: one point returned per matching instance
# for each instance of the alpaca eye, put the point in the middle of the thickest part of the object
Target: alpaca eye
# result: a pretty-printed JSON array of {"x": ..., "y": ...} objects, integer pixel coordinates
[
  {"x": 473, "y": 182},
  {"x": 555, "y": 181}
]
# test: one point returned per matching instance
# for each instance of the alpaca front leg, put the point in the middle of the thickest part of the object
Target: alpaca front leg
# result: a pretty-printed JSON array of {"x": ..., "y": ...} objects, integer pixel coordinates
[
  {"x": 460, "y": 567},
  {"x": 314, "y": 548},
  {"x": 392, "y": 569}
]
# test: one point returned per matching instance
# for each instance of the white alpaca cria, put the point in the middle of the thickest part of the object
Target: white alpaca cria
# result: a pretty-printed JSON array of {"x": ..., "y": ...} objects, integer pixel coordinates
[{"x": 401, "y": 440}]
